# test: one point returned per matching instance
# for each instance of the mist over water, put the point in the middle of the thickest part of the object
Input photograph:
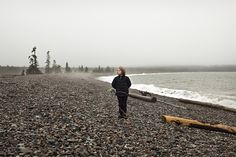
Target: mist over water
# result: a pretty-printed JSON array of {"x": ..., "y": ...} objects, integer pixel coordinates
[{"x": 213, "y": 87}]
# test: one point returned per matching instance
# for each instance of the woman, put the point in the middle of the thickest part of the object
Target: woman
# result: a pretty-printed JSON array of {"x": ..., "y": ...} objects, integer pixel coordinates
[{"x": 122, "y": 84}]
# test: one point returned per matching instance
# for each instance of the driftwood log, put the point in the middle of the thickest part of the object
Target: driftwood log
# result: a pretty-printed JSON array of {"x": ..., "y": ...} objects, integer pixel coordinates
[
  {"x": 144, "y": 98},
  {"x": 208, "y": 105},
  {"x": 198, "y": 124}
]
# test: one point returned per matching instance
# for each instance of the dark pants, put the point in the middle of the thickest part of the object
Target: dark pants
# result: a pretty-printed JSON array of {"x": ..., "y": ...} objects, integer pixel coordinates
[{"x": 122, "y": 104}]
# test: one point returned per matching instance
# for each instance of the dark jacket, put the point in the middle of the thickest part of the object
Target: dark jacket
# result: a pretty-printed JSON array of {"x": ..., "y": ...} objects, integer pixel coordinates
[{"x": 122, "y": 85}]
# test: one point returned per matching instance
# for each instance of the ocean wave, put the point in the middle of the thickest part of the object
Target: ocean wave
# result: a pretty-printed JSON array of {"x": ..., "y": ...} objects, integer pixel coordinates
[
  {"x": 108, "y": 79},
  {"x": 142, "y": 74},
  {"x": 185, "y": 94},
  {"x": 111, "y": 77},
  {"x": 160, "y": 73},
  {"x": 176, "y": 93}
]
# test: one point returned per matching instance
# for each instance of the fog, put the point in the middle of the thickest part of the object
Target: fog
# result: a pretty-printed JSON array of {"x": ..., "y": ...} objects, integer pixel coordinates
[{"x": 124, "y": 32}]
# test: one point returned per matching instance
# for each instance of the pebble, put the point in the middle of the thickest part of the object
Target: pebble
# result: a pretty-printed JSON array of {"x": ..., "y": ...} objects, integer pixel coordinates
[
  {"x": 25, "y": 150},
  {"x": 85, "y": 122}
]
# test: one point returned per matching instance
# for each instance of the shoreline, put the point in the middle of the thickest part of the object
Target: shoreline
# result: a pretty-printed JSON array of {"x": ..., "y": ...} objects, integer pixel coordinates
[
  {"x": 50, "y": 115},
  {"x": 182, "y": 102},
  {"x": 210, "y": 102},
  {"x": 189, "y": 101}
]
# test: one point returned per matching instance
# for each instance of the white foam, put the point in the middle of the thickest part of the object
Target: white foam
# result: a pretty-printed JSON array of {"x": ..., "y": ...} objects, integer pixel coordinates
[
  {"x": 108, "y": 79},
  {"x": 184, "y": 94},
  {"x": 162, "y": 73},
  {"x": 142, "y": 74}
]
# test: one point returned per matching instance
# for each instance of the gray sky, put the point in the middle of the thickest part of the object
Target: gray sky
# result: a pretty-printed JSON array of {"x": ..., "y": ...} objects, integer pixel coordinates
[{"x": 120, "y": 32}]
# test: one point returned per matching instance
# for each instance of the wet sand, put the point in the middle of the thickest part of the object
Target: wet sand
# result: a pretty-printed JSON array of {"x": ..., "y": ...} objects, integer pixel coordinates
[{"x": 76, "y": 115}]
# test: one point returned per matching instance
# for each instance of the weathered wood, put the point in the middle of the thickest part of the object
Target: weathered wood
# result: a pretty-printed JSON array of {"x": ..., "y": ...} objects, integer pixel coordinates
[
  {"x": 144, "y": 98},
  {"x": 208, "y": 105},
  {"x": 198, "y": 124},
  {"x": 4, "y": 82}
]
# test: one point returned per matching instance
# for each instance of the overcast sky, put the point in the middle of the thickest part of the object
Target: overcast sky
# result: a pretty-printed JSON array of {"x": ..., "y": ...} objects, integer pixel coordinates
[{"x": 120, "y": 32}]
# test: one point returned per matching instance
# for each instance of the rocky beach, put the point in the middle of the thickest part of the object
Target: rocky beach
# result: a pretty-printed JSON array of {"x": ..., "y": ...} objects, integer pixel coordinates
[{"x": 76, "y": 115}]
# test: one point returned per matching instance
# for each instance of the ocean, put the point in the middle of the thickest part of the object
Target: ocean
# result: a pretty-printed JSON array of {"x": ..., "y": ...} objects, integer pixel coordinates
[{"x": 213, "y": 87}]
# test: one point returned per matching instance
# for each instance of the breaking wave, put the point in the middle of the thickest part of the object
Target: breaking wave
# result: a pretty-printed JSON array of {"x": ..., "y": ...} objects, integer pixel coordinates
[{"x": 176, "y": 93}]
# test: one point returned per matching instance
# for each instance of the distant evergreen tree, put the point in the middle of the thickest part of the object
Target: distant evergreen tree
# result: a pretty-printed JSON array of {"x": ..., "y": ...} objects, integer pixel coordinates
[
  {"x": 82, "y": 68},
  {"x": 33, "y": 68},
  {"x": 68, "y": 69},
  {"x": 47, "y": 68},
  {"x": 99, "y": 68},
  {"x": 56, "y": 68},
  {"x": 107, "y": 69},
  {"x": 86, "y": 69}
]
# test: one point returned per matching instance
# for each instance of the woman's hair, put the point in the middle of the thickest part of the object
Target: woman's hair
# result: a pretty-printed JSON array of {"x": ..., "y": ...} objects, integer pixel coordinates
[{"x": 122, "y": 69}]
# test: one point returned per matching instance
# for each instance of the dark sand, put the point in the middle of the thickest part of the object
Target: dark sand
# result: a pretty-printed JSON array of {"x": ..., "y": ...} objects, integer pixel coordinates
[{"x": 75, "y": 115}]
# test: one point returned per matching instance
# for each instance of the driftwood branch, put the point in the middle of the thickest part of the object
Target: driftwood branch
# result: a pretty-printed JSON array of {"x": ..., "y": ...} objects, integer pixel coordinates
[
  {"x": 198, "y": 124},
  {"x": 144, "y": 98}
]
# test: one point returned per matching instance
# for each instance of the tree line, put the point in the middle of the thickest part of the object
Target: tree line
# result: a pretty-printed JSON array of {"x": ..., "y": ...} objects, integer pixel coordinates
[{"x": 56, "y": 68}]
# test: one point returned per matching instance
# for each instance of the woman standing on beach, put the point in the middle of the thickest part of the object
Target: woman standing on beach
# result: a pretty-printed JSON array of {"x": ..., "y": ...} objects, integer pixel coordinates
[{"x": 122, "y": 84}]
